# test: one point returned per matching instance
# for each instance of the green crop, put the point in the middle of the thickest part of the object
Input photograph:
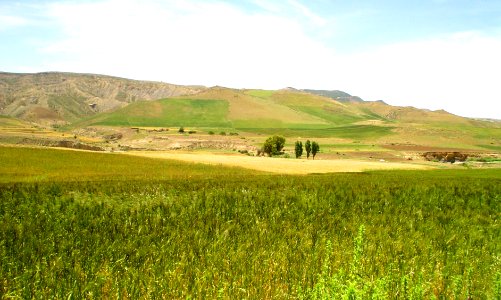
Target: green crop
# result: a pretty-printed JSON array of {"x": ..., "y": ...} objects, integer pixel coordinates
[{"x": 379, "y": 235}]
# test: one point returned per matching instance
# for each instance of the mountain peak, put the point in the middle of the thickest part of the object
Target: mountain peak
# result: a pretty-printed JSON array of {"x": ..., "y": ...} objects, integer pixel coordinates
[{"x": 335, "y": 94}]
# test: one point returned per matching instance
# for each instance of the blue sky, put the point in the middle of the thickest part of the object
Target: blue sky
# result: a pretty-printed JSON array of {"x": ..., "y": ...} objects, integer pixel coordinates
[{"x": 434, "y": 54}]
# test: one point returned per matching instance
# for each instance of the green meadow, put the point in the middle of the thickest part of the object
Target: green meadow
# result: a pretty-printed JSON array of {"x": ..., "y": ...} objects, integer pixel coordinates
[
  {"x": 350, "y": 131},
  {"x": 167, "y": 112},
  {"x": 98, "y": 226},
  {"x": 299, "y": 114},
  {"x": 53, "y": 165}
]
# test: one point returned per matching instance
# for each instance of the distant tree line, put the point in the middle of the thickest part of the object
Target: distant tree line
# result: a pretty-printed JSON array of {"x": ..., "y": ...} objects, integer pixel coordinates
[
  {"x": 275, "y": 144},
  {"x": 310, "y": 147}
]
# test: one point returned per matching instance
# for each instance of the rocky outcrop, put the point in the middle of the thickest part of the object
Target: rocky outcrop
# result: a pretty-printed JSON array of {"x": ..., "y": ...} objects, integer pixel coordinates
[
  {"x": 77, "y": 145},
  {"x": 450, "y": 157},
  {"x": 62, "y": 144},
  {"x": 70, "y": 96}
]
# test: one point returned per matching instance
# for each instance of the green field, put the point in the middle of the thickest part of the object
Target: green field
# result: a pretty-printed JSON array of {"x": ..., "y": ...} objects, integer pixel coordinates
[
  {"x": 214, "y": 114},
  {"x": 116, "y": 226},
  {"x": 298, "y": 114},
  {"x": 167, "y": 112},
  {"x": 329, "y": 115},
  {"x": 51, "y": 165},
  {"x": 351, "y": 131},
  {"x": 264, "y": 94}
]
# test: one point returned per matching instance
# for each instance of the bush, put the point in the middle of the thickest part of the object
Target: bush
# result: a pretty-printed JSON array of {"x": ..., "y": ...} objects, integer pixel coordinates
[
  {"x": 222, "y": 133},
  {"x": 181, "y": 129},
  {"x": 211, "y": 132}
]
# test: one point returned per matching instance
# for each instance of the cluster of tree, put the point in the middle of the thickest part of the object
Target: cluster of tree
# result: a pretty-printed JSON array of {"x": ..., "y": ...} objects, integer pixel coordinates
[
  {"x": 310, "y": 147},
  {"x": 274, "y": 145}
]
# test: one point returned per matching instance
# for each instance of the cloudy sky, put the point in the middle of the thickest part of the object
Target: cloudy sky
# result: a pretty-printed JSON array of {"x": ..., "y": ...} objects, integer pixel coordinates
[{"x": 434, "y": 54}]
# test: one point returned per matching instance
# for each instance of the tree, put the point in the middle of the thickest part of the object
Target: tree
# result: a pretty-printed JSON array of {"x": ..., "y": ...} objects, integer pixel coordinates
[
  {"x": 307, "y": 146},
  {"x": 298, "y": 149},
  {"x": 314, "y": 149},
  {"x": 273, "y": 145}
]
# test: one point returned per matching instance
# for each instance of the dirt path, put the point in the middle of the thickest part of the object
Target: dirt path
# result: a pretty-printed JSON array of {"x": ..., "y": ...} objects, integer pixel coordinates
[{"x": 281, "y": 165}]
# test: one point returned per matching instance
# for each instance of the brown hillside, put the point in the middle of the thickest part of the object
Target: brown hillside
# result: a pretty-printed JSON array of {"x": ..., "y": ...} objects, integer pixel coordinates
[
  {"x": 59, "y": 97},
  {"x": 246, "y": 107},
  {"x": 410, "y": 114}
]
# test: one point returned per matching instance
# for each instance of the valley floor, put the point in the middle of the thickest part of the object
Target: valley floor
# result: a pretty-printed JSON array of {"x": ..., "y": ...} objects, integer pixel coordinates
[{"x": 282, "y": 165}]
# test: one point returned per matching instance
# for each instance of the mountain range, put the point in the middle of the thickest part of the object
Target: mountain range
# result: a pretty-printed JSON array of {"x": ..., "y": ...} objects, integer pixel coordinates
[
  {"x": 67, "y": 97},
  {"x": 83, "y": 100}
]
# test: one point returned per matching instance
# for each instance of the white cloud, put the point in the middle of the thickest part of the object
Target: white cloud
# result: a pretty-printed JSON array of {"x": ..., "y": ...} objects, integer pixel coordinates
[
  {"x": 304, "y": 10},
  {"x": 9, "y": 21},
  {"x": 216, "y": 43},
  {"x": 191, "y": 43},
  {"x": 458, "y": 73}
]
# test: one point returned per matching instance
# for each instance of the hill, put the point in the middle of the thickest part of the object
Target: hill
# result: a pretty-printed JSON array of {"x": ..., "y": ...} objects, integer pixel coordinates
[
  {"x": 297, "y": 113},
  {"x": 54, "y": 97},
  {"x": 249, "y": 110},
  {"x": 84, "y": 102},
  {"x": 335, "y": 94}
]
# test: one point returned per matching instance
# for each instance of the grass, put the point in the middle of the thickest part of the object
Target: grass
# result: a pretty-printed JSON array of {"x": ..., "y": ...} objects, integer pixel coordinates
[
  {"x": 293, "y": 114},
  {"x": 356, "y": 132},
  {"x": 351, "y": 147},
  {"x": 491, "y": 147},
  {"x": 485, "y": 159},
  {"x": 167, "y": 112},
  {"x": 333, "y": 117},
  {"x": 6, "y": 121},
  {"x": 113, "y": 232},
  {"x": 50, "y": 165},
  {"x": 283, "y": 164},
  {"x": 264, "y": 94}
]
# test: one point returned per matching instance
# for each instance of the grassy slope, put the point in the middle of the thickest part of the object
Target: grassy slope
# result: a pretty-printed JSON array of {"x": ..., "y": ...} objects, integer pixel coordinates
[
  {"x": 292, "y": 113},
  {"x": 258, "y": 110},
  {"x": 334, "y": 112},
  {"x": 9, "y": 122},
  {"x": 295, "y": 113},
  {"x": 167, "y": 112},
  {"x": 31, "y": 164}
]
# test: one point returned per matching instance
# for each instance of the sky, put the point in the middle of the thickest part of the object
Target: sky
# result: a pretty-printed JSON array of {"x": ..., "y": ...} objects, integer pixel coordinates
[{"x": 433, "y": 54}]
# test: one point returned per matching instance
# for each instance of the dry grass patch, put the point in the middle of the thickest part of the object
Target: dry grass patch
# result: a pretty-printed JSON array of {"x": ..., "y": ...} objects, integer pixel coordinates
[{"x": 281, "y": 165}]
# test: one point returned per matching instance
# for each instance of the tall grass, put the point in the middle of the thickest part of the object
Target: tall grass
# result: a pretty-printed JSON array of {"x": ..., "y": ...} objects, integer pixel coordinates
[
  {"x": 396, "y": 235},
  {"x": 51, "y": 165}
]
